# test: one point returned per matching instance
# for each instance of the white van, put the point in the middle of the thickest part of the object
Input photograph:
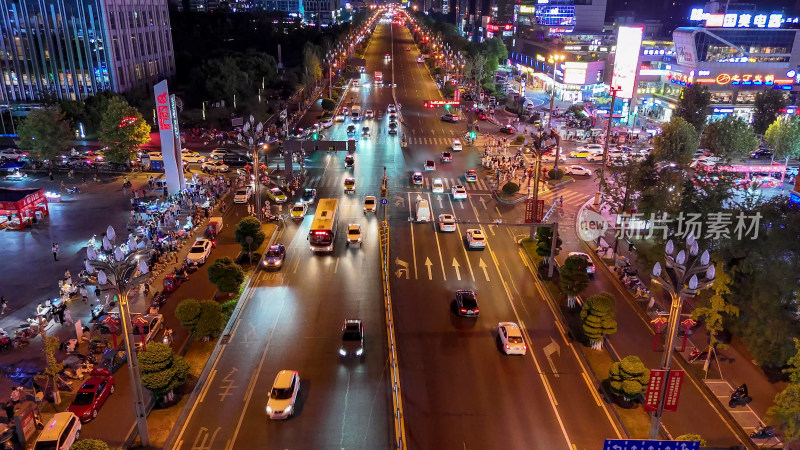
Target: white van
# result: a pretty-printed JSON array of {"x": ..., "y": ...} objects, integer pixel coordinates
[
  {"x": 423, "y": 211},
  {"x": 60, "y": 432}
]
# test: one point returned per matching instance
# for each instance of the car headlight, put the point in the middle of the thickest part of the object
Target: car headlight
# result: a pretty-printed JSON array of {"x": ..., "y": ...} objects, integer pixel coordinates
[
  {"x": 359, "y": 352},
  {"x": 288, "y": 409},
  {"x": 269, "y": 409},
  {"x": 342, "y": 352}
]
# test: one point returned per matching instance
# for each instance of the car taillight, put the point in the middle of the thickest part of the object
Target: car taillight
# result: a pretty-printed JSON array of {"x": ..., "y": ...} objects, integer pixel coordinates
[
  {"x": 463, "y": 310},
  {"x": 525, "y": 346},
  {"x": 477, "y": 310},
  {"x": 508, "y": 346}
]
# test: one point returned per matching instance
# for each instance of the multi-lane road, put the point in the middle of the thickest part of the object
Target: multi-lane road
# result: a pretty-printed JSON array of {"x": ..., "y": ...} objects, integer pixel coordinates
[{"x": 459, "y": 389}]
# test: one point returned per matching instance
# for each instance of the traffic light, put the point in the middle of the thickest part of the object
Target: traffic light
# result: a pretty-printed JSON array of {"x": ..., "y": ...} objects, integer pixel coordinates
[
  {"x": 446, "y": 106},
  {"x": 315, "y": 136}
]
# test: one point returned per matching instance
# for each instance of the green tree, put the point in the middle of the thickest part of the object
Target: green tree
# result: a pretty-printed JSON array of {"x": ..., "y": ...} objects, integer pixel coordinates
[
  {"x": 123, "y": 131},
  {"x": 203, "y": 319},
  {"x": 599, "y": 318},
  {"x": 226, "y": 275},
  {"x": 783, "y": 136},
  {"x": 628, "y": 377},
  {"x": 693, "y": 105},
  {"x": 495, "y": 50},
  {"x": 692, "y": 437},
  {"x": 45, "y": 133},
  {"x": 261, "y": 68},
  {"x": 89, "y": 444},
  {"x": 544, "y": 241},
  {"x": 221, "y": 79},
  {"x": 729, "y": 138},
  {"x": 786, "y": 409},
  {"x": 54, "y": 367},
  {"x": 716, "y": 310},
  {"x": 767, "y": 108},
  {"x": 162, "y": 370},
  {"x": 312, "y": 69},
  {"x": 573, "y": 278},
  {"x": 676, "y": 143},
  {"x": 249, "y": 226},
  {"x": 328, "y": 104}
]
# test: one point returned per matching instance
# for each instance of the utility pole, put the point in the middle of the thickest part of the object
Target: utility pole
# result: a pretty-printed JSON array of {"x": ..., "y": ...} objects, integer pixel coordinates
[{"x": 553, "y": 59}]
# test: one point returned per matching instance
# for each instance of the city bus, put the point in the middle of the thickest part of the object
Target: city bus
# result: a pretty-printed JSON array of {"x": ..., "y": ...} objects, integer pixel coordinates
[
  {"x": 322, "y": 234},
  {"x": 355, "y": 113}
]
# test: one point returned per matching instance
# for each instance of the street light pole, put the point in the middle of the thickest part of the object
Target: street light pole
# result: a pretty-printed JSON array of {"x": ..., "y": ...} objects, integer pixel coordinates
[
  {"x": 554, "y": 60},
  {"x": 124, "y": 270},
  {"x": 253, "y": 132},
  {"x": 602, "y": 184},
  {"x": 679, "y": 279}
]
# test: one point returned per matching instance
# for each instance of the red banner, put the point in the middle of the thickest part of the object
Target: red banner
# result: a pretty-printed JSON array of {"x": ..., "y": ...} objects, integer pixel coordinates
[
  {"x": 673, "y": 390},
  {"x": 529, "y": 210},
  {"x": 539, "y": 211},
  {"x": 653, "y": 390}
]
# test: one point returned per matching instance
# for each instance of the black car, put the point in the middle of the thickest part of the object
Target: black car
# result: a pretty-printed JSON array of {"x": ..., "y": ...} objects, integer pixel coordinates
[
  {"x": 309, "y": 195},
  {"x": 352, "y": 338},
  {"x": 351, "y": 129},
  {"x": 236, "y": 160},
  {"x": 761, "y": 153},
  {"x": 467, "y": 303},
  {"x": 508, "y": 129},
  {"x": 393, "y": 128}
]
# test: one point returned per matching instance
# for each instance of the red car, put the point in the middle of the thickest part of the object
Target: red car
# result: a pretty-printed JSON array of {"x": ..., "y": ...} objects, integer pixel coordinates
[
  {"x": 481, "y": 114},
  {"x": 92, "y": 395}
]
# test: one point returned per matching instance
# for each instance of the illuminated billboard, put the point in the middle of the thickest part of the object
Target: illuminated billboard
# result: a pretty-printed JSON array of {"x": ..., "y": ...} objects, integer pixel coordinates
[
  {"x": 575, "y": 72},
  {"x": 626, "y": 62}
]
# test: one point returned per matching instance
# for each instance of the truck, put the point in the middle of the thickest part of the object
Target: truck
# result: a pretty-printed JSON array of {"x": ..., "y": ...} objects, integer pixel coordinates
[{"x": 355, "y": 113}]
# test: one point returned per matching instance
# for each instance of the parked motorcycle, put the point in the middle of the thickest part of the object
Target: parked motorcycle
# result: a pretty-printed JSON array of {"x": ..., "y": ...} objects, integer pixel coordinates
[
  {"x": 763, "y": 432},
  {"x": 697, "y": 355},
  {"x": 739, "y": 397}
]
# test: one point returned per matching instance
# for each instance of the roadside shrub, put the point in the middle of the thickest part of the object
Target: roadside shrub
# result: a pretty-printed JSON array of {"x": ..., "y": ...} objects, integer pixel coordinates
[
  {"x": 510, "y": 188},
  {"x": 328, "y": 104},
  {"x": 519, "y": 140},
  {"x": 554, "y": 174}
]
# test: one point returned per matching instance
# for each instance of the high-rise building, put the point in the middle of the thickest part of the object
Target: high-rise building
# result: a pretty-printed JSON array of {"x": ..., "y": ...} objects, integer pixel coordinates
[{"x": 72, "y": 49}]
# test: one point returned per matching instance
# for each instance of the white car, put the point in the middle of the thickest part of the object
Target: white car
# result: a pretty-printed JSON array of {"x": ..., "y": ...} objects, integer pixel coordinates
[
  {"x": 12, "y": 153},
  {"x": 327, "y": 123},
  {"x": 390, "y": 108},
  {"x": 594, "y": 157},
  {"x": 591, "y": 148},
  {"x": 299, "y": 210},
  {"x": 577, "y": 170},
  {"x": 456, "y": 145},
  {"x": 199, "y": 252},
  {"x": 370, "y": 204},
  {"x": 338, "y": 118},
  {"x": 459, "y": 193},
  {"x": 511, "y": 338},
  {"x": 192, "y": 157},
  {"x": 589, "y": 264},
  {"x": 447, "y": 223},
  {"x": 243, "y": 195},
  {"x": 551, "y": 157},
  {"x": 438, "y": 186},
  {"x": 708, "y": 160},
  {"x": 369, "y": 114},
  {"x": 354, "y": 234},
  {"x": 475, "y": 238},
  {"x": 283, "y": 395},
  {"x": 218, "y": 153},
  {"x": 218, "y": 166}
]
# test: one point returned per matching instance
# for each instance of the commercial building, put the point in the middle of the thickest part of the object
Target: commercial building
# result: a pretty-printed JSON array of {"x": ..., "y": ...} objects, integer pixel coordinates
[{"x": 72, "y": 49}]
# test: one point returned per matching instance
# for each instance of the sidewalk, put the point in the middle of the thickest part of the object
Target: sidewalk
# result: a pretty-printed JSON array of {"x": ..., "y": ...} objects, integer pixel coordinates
[{"x": 733, "y": 366}]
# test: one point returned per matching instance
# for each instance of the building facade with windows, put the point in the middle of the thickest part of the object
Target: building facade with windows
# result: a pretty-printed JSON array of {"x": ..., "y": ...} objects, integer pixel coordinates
[{"x": 71, "y": 49}]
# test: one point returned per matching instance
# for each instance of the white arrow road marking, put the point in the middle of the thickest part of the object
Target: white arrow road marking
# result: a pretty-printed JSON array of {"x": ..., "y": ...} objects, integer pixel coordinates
[
  {"x": 548, "y": 350},
  {"x": 441, "y": 206},
  {"x": 483, "y": 266},
  {"x": 403, "y": 268},
  {"x": 428, "y": 264},
  {"x": 456, "y": 266},
  {"x": 483, "y": 202}
]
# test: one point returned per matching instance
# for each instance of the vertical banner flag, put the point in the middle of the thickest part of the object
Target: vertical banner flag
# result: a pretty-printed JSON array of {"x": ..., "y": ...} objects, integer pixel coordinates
[{"x": 167, "y": 131}]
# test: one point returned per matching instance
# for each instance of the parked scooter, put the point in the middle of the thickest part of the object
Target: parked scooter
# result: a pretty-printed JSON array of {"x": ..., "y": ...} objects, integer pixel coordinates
[
  {"x": 763, "y": 432},
  {"x": 698, "y": 355},
  {"x": 739, "y": 397}
]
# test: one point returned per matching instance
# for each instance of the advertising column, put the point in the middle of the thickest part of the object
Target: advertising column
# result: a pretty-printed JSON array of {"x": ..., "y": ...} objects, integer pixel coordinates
[
  {"x": 170, "y": 138},
  {"x": 626, "y": 64}
]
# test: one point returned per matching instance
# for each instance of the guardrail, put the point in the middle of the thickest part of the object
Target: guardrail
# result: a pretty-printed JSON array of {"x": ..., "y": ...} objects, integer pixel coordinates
[{"x": 397, "y": 397}]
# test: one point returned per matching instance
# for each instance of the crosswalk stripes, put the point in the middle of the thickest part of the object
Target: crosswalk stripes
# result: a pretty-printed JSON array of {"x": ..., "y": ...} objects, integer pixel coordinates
[{"x": 429, "y": 141}]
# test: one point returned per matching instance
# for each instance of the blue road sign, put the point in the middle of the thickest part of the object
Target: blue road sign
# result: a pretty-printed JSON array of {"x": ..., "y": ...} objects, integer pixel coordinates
[
  {"x": 384, "y": 201},
  {"x": 634, "y": 444}
]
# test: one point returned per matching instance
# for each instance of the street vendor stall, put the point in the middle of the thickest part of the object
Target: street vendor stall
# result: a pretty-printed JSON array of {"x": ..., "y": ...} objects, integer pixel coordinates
[{"x": 19, "y": 207}]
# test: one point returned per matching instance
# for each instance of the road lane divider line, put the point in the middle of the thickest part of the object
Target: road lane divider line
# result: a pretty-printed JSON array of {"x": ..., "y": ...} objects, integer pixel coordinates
[
  {"x": 591, "y": 389},
  {"x": 413, "y": 245},
  {"x": 561, "y": 331},
  {"x": 207, "y": 385}
]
